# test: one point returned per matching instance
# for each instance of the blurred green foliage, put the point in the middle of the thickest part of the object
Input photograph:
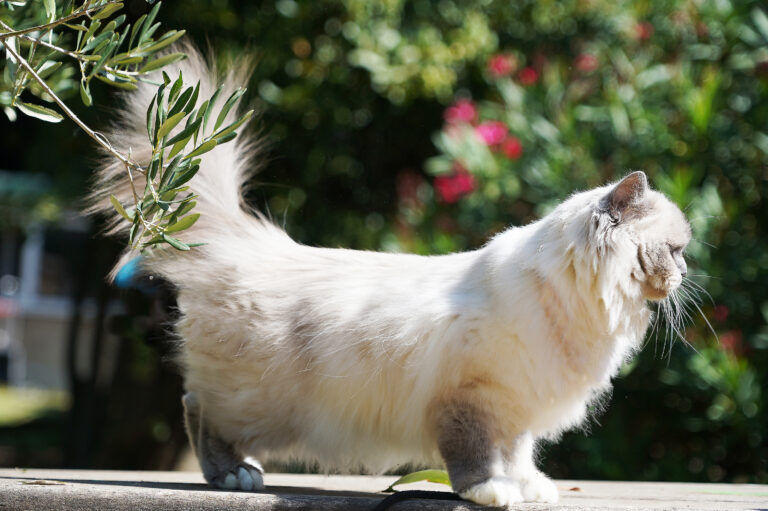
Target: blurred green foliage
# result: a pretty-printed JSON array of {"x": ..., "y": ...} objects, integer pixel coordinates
[{"x": 526, "y": 102}]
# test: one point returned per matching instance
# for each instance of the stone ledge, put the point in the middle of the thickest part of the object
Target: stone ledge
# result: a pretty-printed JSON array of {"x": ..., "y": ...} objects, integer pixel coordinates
[{"x": 64, "y": 490}]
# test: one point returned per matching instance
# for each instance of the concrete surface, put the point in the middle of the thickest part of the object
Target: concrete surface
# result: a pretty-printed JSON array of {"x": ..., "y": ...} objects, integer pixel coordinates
[{"x": 64, "y": 490}]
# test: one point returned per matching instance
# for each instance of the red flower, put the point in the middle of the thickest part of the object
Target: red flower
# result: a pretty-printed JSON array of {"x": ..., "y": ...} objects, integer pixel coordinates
[
  {"x": 644, "y": 30},
  {"x": 492, "y": 132},
  {"x": 586, "y": 63},
  {"x": 732, "y": 341},
  {"x": 512, "y": 148},
  {"x": 720, "y": 313},
  {"x": 407, "y": 184},
  {"x": 462, "y": 111},
  {"x": 451, "y": 188},
  {"x": 502, "y": 65},
  {"x": 528, "y": 76}
]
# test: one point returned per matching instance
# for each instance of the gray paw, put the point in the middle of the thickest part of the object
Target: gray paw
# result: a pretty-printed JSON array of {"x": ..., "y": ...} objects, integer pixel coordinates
[{"x": 243, "y": 476}]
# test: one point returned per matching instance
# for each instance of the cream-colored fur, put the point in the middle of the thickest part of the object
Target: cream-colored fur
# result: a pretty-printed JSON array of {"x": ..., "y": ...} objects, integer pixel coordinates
[{"x": 357, "y": 358}]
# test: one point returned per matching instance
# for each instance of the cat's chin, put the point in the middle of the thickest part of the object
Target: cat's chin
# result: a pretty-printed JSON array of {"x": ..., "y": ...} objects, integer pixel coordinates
[{"x": 655, "y": 294}]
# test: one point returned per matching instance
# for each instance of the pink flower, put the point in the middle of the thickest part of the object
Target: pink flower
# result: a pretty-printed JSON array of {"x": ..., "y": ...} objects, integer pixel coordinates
[
  {"x": 528, "y": 76},
  {"x": 451, "y": 188},
  {"x": 644, "y": 30},
  {"x": 462, "y": 111},
  {"x": 586, "y": 63},
  {"x": 492, "y": 132},
  {"x": 512, "y": 148},
  {"x": 502, "y": 65}
]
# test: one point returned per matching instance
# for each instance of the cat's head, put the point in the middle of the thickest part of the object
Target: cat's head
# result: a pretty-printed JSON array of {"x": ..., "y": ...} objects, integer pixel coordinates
[{"x": 653, "y": 228}]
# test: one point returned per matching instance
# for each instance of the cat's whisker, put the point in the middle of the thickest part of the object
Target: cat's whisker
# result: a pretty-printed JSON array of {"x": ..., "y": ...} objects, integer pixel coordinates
[{"x": 710, "y": 245}]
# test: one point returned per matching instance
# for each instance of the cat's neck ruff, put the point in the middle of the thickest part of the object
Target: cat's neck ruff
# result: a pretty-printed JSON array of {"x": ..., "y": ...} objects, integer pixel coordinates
[{"x": 590, "y": 316}]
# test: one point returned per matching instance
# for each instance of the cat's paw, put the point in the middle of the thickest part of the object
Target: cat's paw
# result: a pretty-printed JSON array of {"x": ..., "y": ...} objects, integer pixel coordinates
[
  {"x": 244, "y": 476},
  {"x": 496, "y": 491},
  {"x": 538, "y": 488}
]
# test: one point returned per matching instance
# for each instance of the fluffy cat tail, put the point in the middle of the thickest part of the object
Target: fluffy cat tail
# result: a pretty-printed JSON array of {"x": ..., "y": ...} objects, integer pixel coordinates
[{"x": 218, "y": 183}]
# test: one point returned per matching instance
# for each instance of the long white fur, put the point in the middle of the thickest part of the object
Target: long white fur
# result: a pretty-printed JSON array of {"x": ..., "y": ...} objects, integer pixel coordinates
[{"x": 342, "y": 356}]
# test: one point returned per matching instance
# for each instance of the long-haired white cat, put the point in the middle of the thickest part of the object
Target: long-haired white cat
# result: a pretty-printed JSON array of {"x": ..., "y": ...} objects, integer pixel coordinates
[{"x": 354, "y": 358}]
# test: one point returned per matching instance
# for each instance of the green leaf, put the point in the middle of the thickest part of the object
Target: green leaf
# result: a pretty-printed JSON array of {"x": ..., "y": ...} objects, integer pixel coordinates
[
  {"x": 134, "y": 229},
  {"x": 761, "y": 22},
  {"x": 128, "y": 83},
  {"x": 39, "y": 112},
  {"x": 202, "y": 149},
  {"x": 226, "y": 138},
  {"x": 107, "y": 11},
  {"x": 168, "y": 38},
  {"x": 162, "y": 61},
  {"x": 85, "y": 93},
  {"x": 149, "y": 118},
  {"x": 181, "y": 102},
  {"x": 209, "y": 106},
  {"x": 50, "y": 9},
  {"x": 105, "y": 55},
  {"x": 178, "y": 245},
  {"x": 48, "y": 68},
  {"x": 168, "y": 173},
  {"x": 76, "y": 27},
  {"x": 148, "y": 21},
  {"x": 185, "y": 208},
  {"x": 91, "y": 30},
  {"x": 185, "y": 134},
  {"x": 97, "y": 41},
  {"x": 124, "y": 59},
  {"x": 432, "y": 476},
  {"x": 176, "y": 89},
  {"x": 120, "y": 209},
  {"x": 184, "y": 223},
  {"x": 232, "y": 127},
  {"x": 190, "y": 106},
  {"x": 136, "y": 29},
  {"x": 185, "y": 176},
  {"x": 169, "y": 124},
  {"x": 227, "y": 107}
]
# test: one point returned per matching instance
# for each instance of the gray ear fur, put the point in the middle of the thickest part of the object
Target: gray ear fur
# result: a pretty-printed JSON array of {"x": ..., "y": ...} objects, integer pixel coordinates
[{"x": 625, "y": 197}]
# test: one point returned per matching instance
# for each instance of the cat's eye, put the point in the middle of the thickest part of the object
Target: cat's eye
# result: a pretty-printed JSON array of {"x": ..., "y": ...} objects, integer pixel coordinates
[{"x": 675, "y": 249}]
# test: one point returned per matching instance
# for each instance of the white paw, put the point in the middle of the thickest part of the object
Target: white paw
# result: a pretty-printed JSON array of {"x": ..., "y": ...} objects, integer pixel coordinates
[
  {"x": 539, "y": 488},
  {"x": 496, "y": 491},
  {"x": 243, "y": 477}
]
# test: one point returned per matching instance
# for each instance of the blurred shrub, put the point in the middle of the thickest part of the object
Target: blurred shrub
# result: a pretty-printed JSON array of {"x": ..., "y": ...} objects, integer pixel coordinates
[
  {"x": 537, "y": 99},
  {"x": 526, "y": 102}
]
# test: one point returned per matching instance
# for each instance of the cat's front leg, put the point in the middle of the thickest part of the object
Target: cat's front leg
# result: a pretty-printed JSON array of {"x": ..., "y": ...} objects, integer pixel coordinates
[
  {"x": 520, "y": 467},
  {"x": 475, "y": 463}
]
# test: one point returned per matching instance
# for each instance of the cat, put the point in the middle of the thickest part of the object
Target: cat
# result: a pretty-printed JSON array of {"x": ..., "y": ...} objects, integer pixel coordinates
[{"x": 353, "y": 358}]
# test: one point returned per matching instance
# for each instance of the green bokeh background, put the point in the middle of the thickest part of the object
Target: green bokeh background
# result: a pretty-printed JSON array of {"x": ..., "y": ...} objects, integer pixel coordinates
[{"x": 353, "y": 95}]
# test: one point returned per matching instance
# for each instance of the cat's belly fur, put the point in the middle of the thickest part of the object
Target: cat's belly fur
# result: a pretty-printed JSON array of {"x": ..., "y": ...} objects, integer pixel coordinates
[{"x": 355, "y": 406}]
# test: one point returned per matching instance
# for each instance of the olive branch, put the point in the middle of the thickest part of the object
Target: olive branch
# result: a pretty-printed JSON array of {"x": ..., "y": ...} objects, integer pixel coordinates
[{"x": 46, "y": 45}]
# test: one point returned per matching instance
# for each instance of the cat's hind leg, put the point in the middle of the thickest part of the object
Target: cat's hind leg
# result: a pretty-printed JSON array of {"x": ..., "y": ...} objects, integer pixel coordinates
[{"x": 222, "y": 466}]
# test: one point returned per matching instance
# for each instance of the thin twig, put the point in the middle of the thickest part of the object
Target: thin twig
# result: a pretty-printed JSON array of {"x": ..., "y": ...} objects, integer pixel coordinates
[
  {"x": 130, "y": 165},
  {"x": 53, "y": 24},
  {"x": 79, "y": 57},
  {"x": 97, "y": 137}
]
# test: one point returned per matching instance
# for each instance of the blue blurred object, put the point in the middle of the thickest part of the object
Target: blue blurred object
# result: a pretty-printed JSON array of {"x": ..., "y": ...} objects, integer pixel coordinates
[{"x": 129, "y": 276}]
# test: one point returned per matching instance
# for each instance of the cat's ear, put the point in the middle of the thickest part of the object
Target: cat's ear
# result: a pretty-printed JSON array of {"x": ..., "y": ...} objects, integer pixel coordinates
[{"x": 625, "y": 196}]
